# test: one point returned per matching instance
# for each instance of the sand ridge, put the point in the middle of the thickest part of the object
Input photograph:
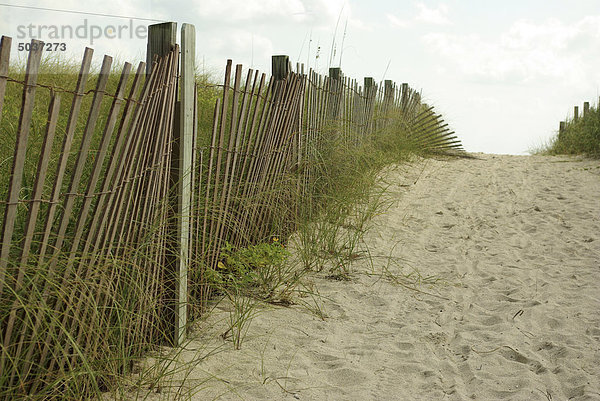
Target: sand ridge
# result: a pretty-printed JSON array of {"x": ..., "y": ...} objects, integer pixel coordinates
[{"x": 507, "y": 249}]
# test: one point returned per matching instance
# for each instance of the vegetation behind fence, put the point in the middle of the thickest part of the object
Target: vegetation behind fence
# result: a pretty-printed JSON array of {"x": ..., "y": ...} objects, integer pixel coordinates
[
  {"x": 91, "y": 245},
  {"x": 579, "y": 134}
]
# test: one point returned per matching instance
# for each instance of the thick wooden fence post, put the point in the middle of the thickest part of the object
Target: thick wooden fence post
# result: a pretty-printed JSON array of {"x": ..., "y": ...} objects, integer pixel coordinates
[
  {"x": 404, "y": 96},
  {"x": 335, "y": 73},
  {"x": 185, "y": 164},
  {"x": 586, "y": 108},
  {"x": 370, "y": 94},
  {"x": 561, "y": 129},
  {"x": 388, "y": 89},
  {"x": 388, "y": 94},
  {"x": 575, "y": 113},
  {"x": 161, "y": 40},
  {"x": 280, "y": 67},
  {"x": 335, "y": 77}
]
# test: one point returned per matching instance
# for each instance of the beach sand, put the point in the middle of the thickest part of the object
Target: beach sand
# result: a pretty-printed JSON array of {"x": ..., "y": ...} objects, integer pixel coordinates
[{"x": 502, "y": 254}]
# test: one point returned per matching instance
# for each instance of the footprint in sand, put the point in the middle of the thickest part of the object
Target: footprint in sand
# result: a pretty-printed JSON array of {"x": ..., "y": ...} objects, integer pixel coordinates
[
  {"x": 513, "y": 355},
  {"x": 405, "y": 346},
  {"x": 346, "y": 377},
  {"x": 405, "y": 351}
]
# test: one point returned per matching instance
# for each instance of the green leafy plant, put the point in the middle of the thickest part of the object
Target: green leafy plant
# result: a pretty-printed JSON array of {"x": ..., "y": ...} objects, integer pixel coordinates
[
  {"x": 260, "y": 270},
  {"x": 247, "y": 276}
]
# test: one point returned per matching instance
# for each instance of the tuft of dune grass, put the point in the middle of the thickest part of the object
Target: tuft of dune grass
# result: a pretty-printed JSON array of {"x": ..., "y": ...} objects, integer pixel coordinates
[{"x": 580, "y": 137}]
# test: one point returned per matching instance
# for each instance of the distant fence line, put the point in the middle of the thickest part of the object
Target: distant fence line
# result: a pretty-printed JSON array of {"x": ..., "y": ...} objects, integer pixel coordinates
[
  {"x": 562, "y": 126},
  {"x": 147, "y": 198}
]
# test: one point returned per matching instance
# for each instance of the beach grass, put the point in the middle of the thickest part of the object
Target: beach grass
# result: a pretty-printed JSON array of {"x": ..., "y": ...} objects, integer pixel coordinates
[
  {"x": 344, "y": 194},
  {"x": 580, "y": 136}
]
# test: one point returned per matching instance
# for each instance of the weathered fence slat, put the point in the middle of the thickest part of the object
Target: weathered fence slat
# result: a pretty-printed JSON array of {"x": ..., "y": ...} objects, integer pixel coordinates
[
  {"x": 16, "y": 175},
  {"x": 69, "y": 205},
  {"x": 32, "y": 218},
  {"x": 117, "y": 161},
  {"x": 218, "y": 184},
  {"x": 65, "y": 151},
  {"x": 54, "y": 201},
  {"x": 82, "y": 218},
  {"x": 81, "y": 158},
  {"x": 5, "y": 43},
  {"x": 229, "y": 164}
]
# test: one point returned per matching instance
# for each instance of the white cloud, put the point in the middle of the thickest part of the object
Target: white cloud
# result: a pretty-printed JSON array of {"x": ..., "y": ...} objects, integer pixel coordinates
[
  {"x": 526, "y": 52},
  {"x": 247, "y": 47},
  {"x": 436, "y": 16},
  {"x": 328, "y": 10},
  {"x": 250, "y": 9},
  {"x": 325, "y": 14},
  {"x": 316, "y": 12},
  {"x": 359, "y": 24},
  {"x": 397, "y": 22},
  {"x": 483, "y": 102},
  {"x": 423, "y": 15}
]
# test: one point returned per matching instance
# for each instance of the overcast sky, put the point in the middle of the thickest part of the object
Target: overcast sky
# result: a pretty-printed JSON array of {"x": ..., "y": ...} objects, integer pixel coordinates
[{"x": 503, "y": 73}]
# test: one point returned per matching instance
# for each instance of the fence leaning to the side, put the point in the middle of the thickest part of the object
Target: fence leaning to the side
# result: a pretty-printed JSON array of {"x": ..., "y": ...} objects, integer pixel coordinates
[{"x": 124, "y": 198}]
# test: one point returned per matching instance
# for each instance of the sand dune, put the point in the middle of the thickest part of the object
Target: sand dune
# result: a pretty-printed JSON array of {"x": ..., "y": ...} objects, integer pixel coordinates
[{"x": 507, "y": 249}]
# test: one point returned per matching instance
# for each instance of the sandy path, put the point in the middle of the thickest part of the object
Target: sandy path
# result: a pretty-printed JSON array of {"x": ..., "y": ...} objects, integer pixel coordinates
[{"x": 513, "y": 243}]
